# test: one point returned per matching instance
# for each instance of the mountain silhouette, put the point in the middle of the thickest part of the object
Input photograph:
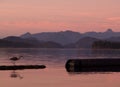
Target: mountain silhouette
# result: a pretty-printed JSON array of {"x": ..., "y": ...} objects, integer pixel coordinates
[
  {"x": 62, "y": 39},
  {"x": 68, "y": 37}
]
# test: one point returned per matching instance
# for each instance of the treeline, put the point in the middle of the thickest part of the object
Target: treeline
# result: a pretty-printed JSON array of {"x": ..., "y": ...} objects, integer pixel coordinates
[{"x": 106, "y": 45}]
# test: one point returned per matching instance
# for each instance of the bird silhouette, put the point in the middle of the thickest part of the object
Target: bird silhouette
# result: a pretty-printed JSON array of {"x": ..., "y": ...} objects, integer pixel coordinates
[{"x": 14, "y": 59}]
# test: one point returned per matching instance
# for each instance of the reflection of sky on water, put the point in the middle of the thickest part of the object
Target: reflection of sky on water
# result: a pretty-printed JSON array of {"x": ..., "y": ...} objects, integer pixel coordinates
[
  {"x": 59, "y": 78},
  {"x": 55, "y": 74},
  {"x": 53, "y": 57}
]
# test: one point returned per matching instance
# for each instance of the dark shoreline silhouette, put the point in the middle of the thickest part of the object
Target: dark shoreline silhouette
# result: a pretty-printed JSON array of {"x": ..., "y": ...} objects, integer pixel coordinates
[{"x": 84, "y": 43}]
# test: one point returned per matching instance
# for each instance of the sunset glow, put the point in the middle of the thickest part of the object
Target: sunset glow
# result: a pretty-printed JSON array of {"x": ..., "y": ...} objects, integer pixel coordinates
[{"x": 20, "y": 16}]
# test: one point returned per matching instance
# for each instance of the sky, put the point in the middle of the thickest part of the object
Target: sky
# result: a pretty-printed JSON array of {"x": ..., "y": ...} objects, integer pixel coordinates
[{"x": 20, "y": 16}]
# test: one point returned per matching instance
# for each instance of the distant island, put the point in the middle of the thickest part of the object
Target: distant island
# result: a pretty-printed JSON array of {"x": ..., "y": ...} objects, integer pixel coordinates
[
  {"x": 105, "y": 45},
  {"x": 64, "y": 39}
]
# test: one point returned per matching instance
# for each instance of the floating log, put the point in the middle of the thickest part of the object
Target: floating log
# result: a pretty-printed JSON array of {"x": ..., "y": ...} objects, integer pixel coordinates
[
  {"x": 21, "y": 67},
  {"x": 93, "y": 65}
]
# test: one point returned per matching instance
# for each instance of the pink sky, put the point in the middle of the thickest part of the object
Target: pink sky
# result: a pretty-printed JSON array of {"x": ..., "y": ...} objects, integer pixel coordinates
[{"x": 20, "y": 16}]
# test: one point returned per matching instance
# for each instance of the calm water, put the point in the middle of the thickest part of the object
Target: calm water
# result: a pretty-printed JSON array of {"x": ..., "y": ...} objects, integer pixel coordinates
[{"x": 55, "y": 74}]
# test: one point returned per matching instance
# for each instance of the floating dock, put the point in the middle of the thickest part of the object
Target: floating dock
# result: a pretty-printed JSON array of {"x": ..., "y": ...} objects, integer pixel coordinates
[
  {"x": 93, "y": 65},
  {"x": 21, "y": 67}
]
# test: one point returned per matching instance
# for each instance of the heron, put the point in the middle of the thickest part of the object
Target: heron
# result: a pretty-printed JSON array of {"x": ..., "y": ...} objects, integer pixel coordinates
[{"x": 14, "y": 59}]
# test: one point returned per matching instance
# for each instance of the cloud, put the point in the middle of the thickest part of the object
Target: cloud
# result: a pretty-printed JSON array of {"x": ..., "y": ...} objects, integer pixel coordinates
[{"x": 113, "y": 19}]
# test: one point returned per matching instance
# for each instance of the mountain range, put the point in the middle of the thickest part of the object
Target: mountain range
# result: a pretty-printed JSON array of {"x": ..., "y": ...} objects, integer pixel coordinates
[
  {"x": 67, "y": 37},
  {"x": 62, "y": 39}
]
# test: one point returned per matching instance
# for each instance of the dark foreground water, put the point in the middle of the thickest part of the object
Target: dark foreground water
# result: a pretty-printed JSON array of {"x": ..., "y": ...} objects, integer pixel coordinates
[{"x": 55, "y": 74}]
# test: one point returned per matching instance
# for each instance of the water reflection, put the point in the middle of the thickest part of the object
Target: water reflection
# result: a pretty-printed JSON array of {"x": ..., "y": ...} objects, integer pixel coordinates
[
  {"x": 15, "y": 74},
  {"x": 55, "y": 75},
  {"x": 105, "y": 53},
  {"x": 88, "y": 73}
]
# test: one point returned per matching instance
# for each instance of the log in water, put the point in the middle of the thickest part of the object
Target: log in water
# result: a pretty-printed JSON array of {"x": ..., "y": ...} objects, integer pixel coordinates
[
  {"x": 93, "y": 65},
  {"x": 20, "y": 67}
]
